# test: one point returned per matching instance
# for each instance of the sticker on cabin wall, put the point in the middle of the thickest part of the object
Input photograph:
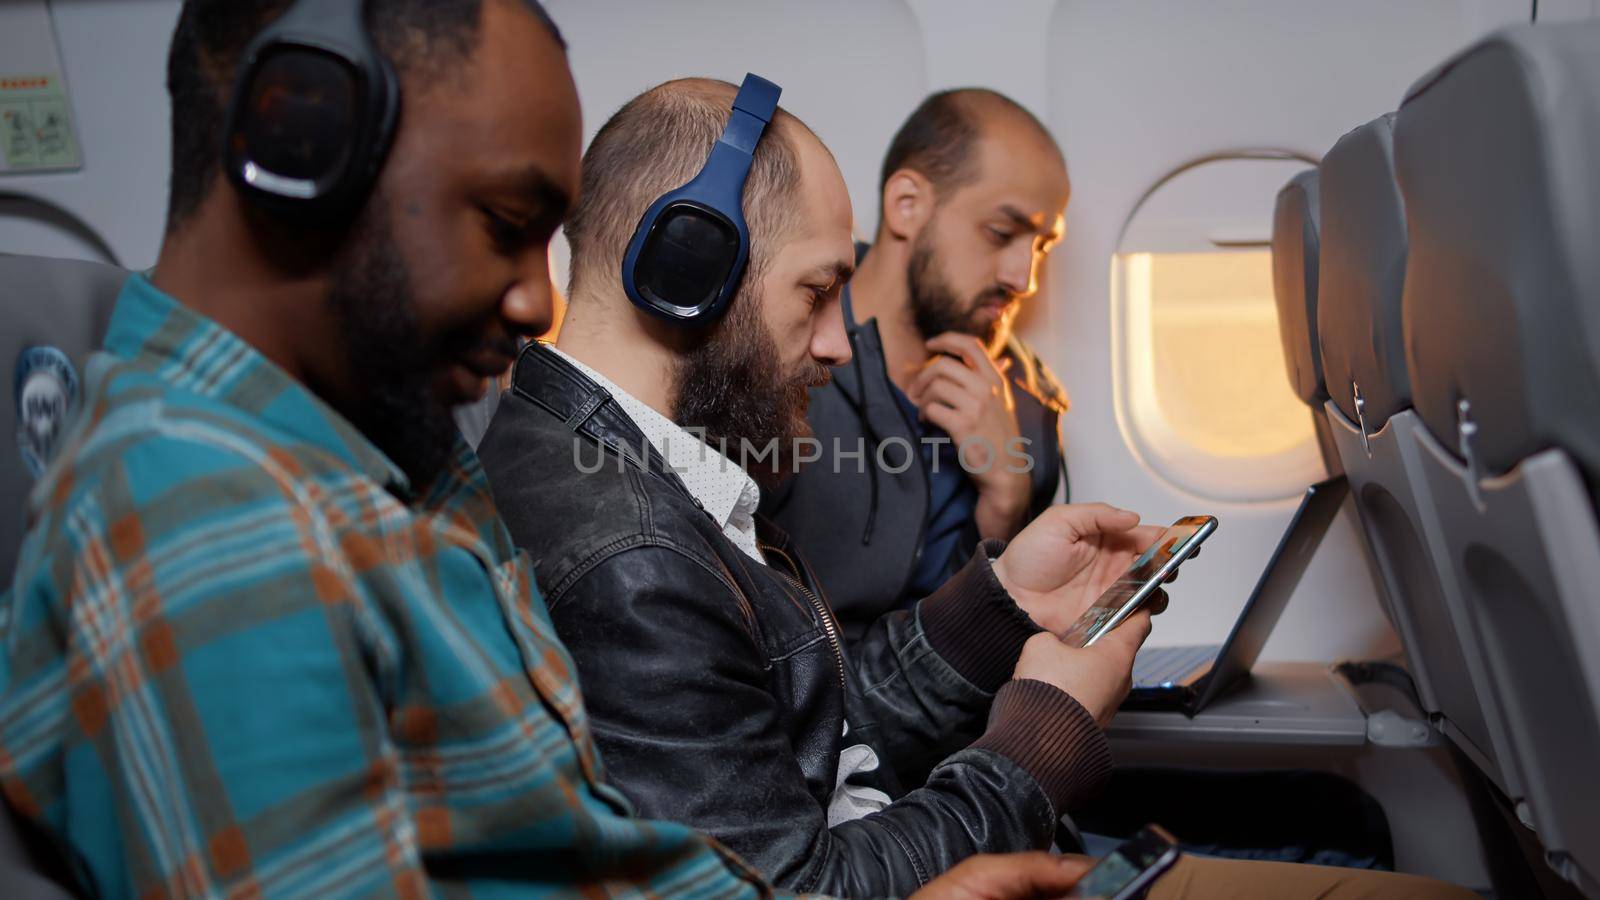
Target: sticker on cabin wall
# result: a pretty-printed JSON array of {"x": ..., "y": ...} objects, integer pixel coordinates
[{"x": 36, "y": 132}]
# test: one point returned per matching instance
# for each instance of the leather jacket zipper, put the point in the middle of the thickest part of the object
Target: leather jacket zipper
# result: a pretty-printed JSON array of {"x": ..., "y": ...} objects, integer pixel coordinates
[{"x": 826, "y": 614}]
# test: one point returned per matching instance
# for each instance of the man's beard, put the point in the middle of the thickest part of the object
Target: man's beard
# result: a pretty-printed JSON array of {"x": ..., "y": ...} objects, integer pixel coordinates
[
  {"x": 396, "y": 405},
  {"x": 732, "y": 386},
  {"x": 935, "y": 308}
]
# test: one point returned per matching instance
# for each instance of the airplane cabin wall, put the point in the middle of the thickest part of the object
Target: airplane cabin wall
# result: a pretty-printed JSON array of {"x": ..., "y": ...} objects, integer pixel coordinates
[
  {"x": 114, "y": 53},
  {"x": 1131, "y": 89}
]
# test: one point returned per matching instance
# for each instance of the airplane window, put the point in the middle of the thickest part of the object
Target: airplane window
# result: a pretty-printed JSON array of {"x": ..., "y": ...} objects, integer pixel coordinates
[
  {"x": 1203, "y": 394},
  {"x": 1219, "y": 375}
]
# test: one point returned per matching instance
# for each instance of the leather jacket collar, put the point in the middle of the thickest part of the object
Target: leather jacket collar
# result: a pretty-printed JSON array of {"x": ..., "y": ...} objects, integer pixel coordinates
[{"x": 543, "y": 378}]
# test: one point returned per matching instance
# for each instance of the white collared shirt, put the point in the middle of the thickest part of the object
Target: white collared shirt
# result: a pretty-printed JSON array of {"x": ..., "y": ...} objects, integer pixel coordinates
[{"x": 721, "y": 486}]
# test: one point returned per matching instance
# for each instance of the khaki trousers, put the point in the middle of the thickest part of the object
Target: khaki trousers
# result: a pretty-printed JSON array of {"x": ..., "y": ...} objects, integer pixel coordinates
[{"x": 1205, "y": 877}]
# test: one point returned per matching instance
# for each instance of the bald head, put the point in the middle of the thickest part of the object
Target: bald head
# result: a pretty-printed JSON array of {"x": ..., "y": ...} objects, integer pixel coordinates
[
  {"x": 656, "y": 143},
  {"x": 941, "y": 138}
]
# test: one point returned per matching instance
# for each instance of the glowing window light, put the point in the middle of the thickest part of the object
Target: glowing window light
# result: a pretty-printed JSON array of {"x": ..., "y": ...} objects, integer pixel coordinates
[{"x": 1203, "y": 393}]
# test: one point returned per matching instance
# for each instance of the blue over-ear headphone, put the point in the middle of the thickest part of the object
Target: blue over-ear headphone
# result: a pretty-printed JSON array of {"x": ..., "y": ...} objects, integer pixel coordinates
[{"x": 689, "y": 251}]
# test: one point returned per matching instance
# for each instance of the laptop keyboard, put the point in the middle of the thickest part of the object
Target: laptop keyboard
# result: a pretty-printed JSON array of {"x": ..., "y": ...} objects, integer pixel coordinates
[{"x": 1157, "y": 667}]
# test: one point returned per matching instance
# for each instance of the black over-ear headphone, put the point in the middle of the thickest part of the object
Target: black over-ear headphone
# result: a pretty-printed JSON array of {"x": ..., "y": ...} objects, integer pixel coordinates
[{"x": 313, "y": 112}]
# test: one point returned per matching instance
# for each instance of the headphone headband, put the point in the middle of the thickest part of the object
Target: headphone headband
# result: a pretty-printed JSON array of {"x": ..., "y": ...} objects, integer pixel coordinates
[{"x": 753, "y": 109}]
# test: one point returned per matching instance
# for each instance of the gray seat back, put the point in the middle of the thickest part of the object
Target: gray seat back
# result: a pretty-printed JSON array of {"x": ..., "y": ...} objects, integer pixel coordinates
[
  {"x": 1498, "y": 168},
  {"x": 1296, "y": 247},
  {"x": 1501, "y": 309},
  {"x": 1369, "y": 414},
  {"x": 56, "y": 312},
  {"x": 1363, "y": 270},
  {"x": 59, "y": 305}
]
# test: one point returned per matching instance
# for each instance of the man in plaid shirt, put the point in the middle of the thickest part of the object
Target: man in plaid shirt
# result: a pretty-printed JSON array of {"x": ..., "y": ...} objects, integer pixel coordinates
[{"x": 268, "y": 635}]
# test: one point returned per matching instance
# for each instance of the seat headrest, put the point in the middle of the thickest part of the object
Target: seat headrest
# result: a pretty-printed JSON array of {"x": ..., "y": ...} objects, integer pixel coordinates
[
  {"x": 1363, "y": 272},
  {"x": 1294, "y": 283},
  {"x": 1495, "y": 157},
  {"x": 56, "y": 312}
]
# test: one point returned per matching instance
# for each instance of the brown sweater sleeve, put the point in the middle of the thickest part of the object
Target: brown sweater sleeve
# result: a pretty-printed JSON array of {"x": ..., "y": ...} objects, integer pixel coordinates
[
  {"x": 973, "y": 623},
  {"x": 976, "y": 627},
  {"x": 1050, "y": 735}
]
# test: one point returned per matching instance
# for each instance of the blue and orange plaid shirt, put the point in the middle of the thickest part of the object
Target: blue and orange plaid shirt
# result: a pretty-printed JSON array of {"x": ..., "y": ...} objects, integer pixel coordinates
[{"x": 241, "y": 656}]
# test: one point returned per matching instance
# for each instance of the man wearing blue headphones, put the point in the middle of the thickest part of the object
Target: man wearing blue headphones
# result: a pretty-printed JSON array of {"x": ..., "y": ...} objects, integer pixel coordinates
[
  {"x": 267, "y": 636},
  {"x": 710, "y": 247}
]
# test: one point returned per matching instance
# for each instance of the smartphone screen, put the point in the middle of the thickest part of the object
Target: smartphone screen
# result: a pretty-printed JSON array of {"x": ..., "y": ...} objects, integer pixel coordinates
[
  {"x": 1129, "y": 869},
  {"x": 1141, "y": 580}
]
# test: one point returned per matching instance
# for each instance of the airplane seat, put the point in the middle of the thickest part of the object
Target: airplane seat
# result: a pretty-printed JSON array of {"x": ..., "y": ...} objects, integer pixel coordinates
[
  {"x": 1501, "y": 315},
  {"x": 63, "y": 305},
  {"x": 1369, "y": 412},
  {"x": 1296, "y": 248}
]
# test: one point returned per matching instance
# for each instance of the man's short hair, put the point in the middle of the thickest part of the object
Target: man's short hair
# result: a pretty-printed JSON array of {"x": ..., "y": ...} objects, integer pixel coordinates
[
  {"x": 656, "y": 143},
  {"x": 940, "y": 137},
  {"x": 209, "y": 44}
]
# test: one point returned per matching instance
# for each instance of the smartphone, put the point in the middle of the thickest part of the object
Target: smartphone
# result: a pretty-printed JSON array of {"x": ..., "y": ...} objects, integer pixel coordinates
[
  {"x": 1141, "y": 580},
  {"x": 1131, "y": 868}
]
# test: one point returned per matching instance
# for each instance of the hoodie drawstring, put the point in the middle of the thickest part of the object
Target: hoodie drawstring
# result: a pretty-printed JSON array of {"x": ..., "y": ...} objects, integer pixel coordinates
[{"x": 872, "y": 434}]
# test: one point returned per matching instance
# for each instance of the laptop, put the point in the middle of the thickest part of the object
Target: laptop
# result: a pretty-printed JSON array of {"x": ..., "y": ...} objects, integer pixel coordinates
[{"x": 1188, "y": 679}]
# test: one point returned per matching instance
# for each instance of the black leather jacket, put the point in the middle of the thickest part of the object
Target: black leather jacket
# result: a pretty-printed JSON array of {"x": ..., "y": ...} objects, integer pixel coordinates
[{"x": 719, "y": 688}]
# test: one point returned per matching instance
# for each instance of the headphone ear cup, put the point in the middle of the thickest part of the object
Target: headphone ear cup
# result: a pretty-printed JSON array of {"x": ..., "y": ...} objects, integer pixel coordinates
[
  {"x": 313, "y": 113},
  {"x": 298, "y": 114},
  {"x": 688, "y": 261},
  {"x": 688, "y": 253}
]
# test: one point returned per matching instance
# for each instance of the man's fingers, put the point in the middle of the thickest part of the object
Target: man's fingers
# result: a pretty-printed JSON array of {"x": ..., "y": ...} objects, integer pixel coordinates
[
  {"x": 1145, "y": 535},
  {"x": 963, "y": 374},
  {"x": 1098, "y": 518},
  {"x": 965, "y": 346},
  {"x": 943, "y": 393},
  {"x": 1127, "y": 638},
  {"x": 943, "y": 415},
  {"x": 943, "y": 368},
  {"x": 942, "y": 389},
  {"x": 1157, "y": 603}
]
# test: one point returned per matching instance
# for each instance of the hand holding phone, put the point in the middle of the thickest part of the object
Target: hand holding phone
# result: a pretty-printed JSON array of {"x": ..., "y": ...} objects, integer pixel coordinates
[
  {"x": 1131, "y": 868},
  {"x": 1063, "y": 560},
  {"x": 1141, "y": 581}
]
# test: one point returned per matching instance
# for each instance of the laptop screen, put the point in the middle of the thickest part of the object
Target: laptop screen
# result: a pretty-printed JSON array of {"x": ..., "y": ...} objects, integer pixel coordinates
[{"x": 1277, "y": 584}]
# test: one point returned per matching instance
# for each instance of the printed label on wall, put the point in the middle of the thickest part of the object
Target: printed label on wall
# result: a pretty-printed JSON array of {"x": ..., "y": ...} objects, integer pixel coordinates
[{"x": 36, "y": 132}]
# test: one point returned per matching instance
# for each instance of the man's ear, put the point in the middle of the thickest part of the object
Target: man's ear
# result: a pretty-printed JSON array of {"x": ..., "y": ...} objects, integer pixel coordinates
[{"x": 908, "y": 203}]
